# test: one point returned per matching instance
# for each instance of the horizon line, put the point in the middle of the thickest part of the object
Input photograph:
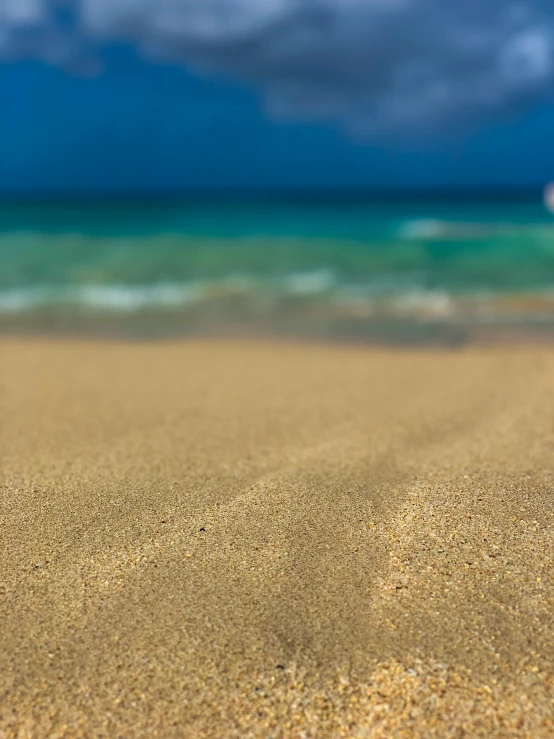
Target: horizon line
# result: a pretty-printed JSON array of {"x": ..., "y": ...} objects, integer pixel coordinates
[{"x": 274, "y": 193}]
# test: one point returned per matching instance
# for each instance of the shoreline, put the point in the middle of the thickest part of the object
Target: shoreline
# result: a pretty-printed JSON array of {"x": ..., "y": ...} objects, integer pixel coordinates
[{"x": 460, "y": 338}]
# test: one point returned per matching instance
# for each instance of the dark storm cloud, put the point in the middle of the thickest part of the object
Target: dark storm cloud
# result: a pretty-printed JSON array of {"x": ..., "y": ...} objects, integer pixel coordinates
[{"x": 372, "y": 65}]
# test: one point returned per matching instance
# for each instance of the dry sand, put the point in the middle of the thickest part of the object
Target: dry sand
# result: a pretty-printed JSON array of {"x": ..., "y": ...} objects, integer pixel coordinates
[{"x": 218, "y": 539}]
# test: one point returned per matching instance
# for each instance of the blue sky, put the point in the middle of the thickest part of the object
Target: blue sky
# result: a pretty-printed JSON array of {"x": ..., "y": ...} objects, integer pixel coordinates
[{"x": 98, "y": 96}]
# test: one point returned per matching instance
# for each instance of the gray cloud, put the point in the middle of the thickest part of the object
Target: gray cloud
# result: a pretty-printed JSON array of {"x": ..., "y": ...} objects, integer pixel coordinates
[{"x": 371, "y": 65}]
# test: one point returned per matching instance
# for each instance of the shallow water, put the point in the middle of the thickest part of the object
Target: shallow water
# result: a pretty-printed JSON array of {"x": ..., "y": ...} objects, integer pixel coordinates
[{"x": 322, "y": 267}]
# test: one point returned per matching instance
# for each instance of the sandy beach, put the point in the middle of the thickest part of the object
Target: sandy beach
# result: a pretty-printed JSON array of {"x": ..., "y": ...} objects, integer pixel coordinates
[{"x": 249, "y": 539}]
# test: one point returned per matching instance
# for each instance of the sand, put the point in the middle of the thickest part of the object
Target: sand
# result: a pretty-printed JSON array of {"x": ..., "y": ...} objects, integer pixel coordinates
[{"x": 218, "y": 539}]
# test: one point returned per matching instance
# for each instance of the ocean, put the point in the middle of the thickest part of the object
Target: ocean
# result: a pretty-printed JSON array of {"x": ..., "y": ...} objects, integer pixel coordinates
[{"x": 439, "y": 269}]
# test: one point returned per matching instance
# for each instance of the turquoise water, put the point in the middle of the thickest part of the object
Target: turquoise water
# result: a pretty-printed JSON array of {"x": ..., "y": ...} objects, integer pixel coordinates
[{"x": 327, "y": 266}]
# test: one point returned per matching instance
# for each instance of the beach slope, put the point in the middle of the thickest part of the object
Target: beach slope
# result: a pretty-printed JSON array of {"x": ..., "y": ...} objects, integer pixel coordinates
[{"x": 218, "y": 539}]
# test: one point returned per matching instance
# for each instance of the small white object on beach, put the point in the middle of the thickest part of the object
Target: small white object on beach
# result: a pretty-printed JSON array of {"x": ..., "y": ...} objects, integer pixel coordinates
[{"x": 549, "y": 196}]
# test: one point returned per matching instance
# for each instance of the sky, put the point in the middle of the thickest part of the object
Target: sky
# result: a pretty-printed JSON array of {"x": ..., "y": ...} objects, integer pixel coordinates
[{"x": 156, "y": 95}]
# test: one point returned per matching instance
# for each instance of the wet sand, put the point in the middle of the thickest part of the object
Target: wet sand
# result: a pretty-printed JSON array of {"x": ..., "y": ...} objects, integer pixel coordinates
[{"x": 213, "y": 539}]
